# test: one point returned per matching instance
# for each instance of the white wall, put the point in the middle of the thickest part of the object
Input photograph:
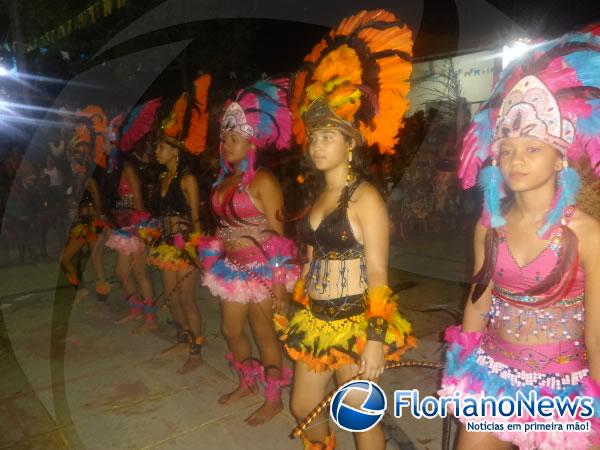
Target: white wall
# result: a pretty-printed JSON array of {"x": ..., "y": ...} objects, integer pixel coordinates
[{"x": 475, "y": 70}]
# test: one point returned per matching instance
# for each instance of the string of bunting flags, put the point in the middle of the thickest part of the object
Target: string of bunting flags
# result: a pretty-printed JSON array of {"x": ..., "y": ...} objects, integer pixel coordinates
[{"x": 89, "y": 16}]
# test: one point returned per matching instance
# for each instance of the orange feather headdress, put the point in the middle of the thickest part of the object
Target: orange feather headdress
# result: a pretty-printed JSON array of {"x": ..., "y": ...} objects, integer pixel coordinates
[
  {"x": 91, "y": 123},
  {"x": 357, "y": 80},
  {"x": 187, "y": 125}
]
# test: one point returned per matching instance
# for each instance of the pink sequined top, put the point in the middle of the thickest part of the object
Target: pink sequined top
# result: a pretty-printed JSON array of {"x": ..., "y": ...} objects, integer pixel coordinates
[
  {"x": 525, "y": 319},
  {"x": 242, "y": 203},
  {"x": 126, "y": 200},
  {"x": 510, "y": 276},
  {"x": 246, "y": 220}
]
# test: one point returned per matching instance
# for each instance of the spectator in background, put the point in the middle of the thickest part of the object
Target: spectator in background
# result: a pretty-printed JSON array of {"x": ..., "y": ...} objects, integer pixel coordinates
[
  {"x": 54, "y": 174},
  {"x": 52, "y": 203}
]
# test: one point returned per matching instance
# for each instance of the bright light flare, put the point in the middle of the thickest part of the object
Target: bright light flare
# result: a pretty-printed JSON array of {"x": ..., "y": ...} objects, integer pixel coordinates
[{"x": 513, "y": 51}]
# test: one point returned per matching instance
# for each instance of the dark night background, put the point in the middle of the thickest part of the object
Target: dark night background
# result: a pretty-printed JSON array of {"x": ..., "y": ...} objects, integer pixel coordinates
[{"x": 252, "y": 46}]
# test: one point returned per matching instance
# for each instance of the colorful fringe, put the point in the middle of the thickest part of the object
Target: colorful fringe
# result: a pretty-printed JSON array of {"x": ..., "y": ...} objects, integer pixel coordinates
[
  {"x": 274, "y": 386},
  {"x": 243, "y": 284},
  {"x": 248, "y": 371},
  {"x": 327, "y": 345},
  {"x": 179, "y": 256},
  {"x": 251, "y": 279},
  {"x": 73, "y": 280},
  {"x": 87, "y": 232},
  {"x": 123, "y": 241},
  {"x": 328, "y": 444},
  {"x": 149, "y": 307},
  {"x": 136, "y": 228},
  {"x": 103, "y": 287},
  {"x": 464, "y": 375}
]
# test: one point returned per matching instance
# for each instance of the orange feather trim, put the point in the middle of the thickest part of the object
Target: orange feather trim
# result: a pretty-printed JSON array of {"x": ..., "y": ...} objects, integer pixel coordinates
[
  {"x": 174, "y": 126},
  {"x": 195, "y": 141},
  {"x": 299, "y": 294},
  {"x": 96, "y": 117},
  {"x": 365, "y": 76},
  {"x": 380, "y": 303}
]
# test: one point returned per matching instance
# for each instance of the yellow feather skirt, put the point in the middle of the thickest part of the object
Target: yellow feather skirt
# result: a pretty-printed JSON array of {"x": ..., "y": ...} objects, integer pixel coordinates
[{"x": 327, "y": 345}]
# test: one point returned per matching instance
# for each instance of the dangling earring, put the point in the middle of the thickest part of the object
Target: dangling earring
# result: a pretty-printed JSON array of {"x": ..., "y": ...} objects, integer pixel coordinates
[
  {"x": 349, "y": 175},
  {"x": 177, "y": 160}
]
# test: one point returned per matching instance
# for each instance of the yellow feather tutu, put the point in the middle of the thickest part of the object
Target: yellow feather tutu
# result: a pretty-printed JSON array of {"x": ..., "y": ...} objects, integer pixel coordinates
[{"x": 327, "y": 345}]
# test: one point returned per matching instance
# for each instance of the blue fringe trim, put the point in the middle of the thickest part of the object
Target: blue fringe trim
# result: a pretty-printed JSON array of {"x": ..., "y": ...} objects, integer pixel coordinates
[
  {"x": 491, "y": 182},
  {"x": 492, "y": 384},
  {"x": 226, "y": 273},
  {"x": 569, "y": 185},
  {"x": 483, "y": 132}
]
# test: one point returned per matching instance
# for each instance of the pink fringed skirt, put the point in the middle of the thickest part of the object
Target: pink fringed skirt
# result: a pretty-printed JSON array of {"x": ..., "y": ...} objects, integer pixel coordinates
[
  {"x": 487, "y": 366},
  {"x": 244, "y": 276}
]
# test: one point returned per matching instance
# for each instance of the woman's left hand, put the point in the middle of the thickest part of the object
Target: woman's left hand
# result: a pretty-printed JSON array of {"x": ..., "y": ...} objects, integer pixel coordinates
[
  {"x": 280, "y": 302},
  {"x": 372, "y": 361}
]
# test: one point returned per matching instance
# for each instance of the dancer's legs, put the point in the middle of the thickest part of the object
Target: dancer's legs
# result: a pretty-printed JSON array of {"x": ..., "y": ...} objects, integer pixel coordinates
[
  {"x": 261, "y": 322},
  {"x": 374, "y": 439},
  {"x": 171, "y": 295},
  {"x": 308, "y": 390},
  {"x": 233, "y": 321},
  {"x": 187, "y": 282}
]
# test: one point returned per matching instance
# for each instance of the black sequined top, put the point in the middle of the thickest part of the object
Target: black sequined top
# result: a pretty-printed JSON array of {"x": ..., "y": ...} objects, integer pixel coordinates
[
  {"x": 333, "y": 240},
  {"x": 173, "y": 211}
]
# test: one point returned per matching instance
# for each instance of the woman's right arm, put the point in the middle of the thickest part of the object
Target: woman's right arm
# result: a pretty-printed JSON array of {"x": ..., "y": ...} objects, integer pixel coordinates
[{"x": 475, "y": 317}]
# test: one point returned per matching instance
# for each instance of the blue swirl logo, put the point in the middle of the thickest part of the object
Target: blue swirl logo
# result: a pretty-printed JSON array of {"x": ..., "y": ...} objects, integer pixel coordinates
[{"x": 367, "y": 415}]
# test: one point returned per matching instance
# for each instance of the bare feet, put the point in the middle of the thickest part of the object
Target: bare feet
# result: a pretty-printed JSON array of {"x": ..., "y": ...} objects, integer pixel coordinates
[
  {"x": 266, "y": 412},
  {"x": 192, "y": 363},
  {"x": 144, "y": 328},
  {"x": 80, "y": 295},
  {"x": 175, "y": 349},
  {"x": 237, "y": 394},
  {"x": 128, "y": 318}
]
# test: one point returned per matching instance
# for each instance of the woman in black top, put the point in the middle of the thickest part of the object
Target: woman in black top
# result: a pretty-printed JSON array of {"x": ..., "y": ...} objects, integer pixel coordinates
[
  {"x": 347, "y": 322},
  {"x": 178, "y": 210}
]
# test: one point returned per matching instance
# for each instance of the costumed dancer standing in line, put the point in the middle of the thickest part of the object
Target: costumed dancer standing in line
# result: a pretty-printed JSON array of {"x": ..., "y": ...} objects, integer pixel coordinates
[
  {"x": 88, "y": 162},
  {"x": 182, "y": 136},
  {"x": 123, "y": 197},
  {"x": 531, "y": 323},
  {"x": 249, "y": 262},
  {"x": 349, "y": 94}
]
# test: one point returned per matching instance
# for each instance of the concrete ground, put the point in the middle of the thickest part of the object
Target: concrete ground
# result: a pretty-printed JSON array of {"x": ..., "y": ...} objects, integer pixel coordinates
[{"x": 71, "y": 378}]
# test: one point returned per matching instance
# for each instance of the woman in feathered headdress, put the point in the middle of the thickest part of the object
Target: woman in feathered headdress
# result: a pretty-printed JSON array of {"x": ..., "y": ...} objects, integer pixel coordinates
[
  {"x": 87, "y": 160},
  {"x": 124, "y": 203},
  {"x": 249, "y": 262},
  {"x": 182, "y": 136},
  {"x": 350, "y": 94},
  {"x": 530, "y": 323}
]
